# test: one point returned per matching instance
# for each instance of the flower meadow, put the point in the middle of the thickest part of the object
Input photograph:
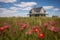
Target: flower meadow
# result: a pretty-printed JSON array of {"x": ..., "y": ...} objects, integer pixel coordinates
[{"x": 34, "y": 28}]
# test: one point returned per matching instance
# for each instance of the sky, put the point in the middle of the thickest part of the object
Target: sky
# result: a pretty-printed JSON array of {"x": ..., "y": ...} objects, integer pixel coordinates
[{"x": 21, "y": 8}]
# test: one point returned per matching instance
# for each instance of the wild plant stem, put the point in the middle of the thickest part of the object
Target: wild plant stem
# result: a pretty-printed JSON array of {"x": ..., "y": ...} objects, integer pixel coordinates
[{"x": 56, "y": 37}]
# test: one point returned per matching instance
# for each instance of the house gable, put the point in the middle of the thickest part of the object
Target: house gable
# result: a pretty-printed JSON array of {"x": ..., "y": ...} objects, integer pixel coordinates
[{"x": 42, "y": 11}]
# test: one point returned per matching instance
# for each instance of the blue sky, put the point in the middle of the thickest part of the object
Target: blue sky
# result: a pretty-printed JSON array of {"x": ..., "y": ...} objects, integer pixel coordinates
[{"x": 9, "y": 8}]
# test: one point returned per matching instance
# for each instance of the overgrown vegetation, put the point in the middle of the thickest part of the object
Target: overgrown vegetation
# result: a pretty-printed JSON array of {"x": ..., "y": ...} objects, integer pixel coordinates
[{"x": 33, "y": 28}]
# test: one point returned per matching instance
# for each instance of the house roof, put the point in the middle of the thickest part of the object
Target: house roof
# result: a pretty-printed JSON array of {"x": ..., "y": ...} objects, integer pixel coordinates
[{"x": 36, "y": 9}]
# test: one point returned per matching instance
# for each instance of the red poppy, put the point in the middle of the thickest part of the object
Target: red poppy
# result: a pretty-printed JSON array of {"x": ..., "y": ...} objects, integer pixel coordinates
[
  {"x": 40, "y": 35},
  {"x": 46, "y": 24},
  {"x": 52, "y": 23},
  {"x": 2, "y": 28},
  {"x": 57, "y": 29},
  {"x": 51, "y": 28},
  {"x": 54, "y": 29},
  {"x": 21, "y": 28},
  {"x": 35, "y": 29},
  {"x": 24, "y": 25},
  {"x": 6, "y": 26},
  {"x": 29, "y": 32}
]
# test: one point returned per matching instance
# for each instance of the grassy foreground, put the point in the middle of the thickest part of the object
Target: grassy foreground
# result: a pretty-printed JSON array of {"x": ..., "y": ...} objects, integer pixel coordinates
[{"x": 29, "y": 28}]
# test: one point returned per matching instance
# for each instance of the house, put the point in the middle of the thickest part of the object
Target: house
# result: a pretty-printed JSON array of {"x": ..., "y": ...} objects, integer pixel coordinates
[{"x": 37, "y": 12}]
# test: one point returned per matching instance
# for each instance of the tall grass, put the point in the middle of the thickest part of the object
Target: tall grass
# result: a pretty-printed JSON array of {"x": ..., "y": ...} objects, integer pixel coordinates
[{"x": 14, "y": 33}]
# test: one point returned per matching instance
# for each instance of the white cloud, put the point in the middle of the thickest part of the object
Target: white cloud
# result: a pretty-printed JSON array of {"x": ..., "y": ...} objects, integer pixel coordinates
[
  {"x": 27, "y": 8},
  {"x": 7, "y": 12},
  {"x": 6, "y": 1},
  {"x": 48, "y": 7},
  {"x": 51, "y": 7},
  {"x": 14, "y": 8},
  {"x": 12, "y": 11},
  {"x": 56, "y": 9},
  {"x": 4, "y": 10},
  {"x": 26, "y": 4}
]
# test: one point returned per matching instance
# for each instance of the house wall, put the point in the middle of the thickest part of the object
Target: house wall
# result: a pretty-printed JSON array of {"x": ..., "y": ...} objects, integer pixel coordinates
[
  {"x": 33, "y": 11},
  {"x": 42, "y": 11}
]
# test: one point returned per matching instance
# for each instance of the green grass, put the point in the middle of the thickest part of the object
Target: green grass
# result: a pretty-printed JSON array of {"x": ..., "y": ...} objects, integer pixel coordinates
[{"x": 32, "y": 21}]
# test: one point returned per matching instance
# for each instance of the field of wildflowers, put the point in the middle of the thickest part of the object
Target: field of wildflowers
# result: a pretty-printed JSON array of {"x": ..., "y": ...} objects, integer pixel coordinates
[{"x": 34, "y": 28}]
